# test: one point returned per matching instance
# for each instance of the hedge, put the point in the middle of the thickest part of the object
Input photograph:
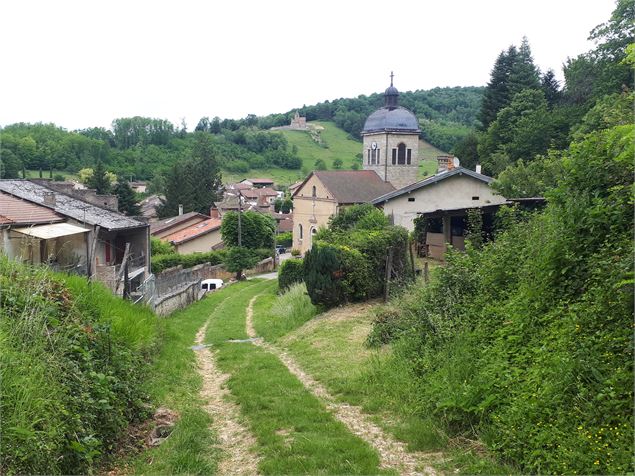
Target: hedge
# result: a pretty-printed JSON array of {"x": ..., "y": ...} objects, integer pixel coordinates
[{"x": 290, "y": 272}]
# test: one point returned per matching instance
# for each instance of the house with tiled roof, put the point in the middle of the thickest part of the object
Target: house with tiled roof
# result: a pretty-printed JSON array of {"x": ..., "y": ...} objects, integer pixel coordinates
[
  {"x": 324, "y": 193},
  {"x": 190, "y": 232},
  {"x": 91, "y": 238}
]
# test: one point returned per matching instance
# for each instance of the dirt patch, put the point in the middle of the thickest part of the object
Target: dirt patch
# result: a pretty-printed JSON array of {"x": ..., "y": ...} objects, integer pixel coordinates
[
  {"x": 236, "y": 441},
  {"x": 164, "y": 420},
  {"x": 393, "y": 453}
]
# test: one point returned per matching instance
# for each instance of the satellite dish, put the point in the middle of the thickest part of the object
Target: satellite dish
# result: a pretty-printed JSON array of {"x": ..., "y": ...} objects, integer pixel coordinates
[{"x": 456, "y": 162}]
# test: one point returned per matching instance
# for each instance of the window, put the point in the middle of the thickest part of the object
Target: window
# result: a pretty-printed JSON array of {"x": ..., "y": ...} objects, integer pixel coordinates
[
  {"x": 374, "y": 157},
  {"x": 314, "y": 191},
  {"x": 378, "y": 156},
  {"x": 474, "y": 198},
  {"x": 369, "y": 156},
  {"x": 411, "y": 199},
  {"x": 394, "y": 157},
  {"x": 409, "y": 156},
  {"x": 300, "y": 230},
  {"x": 401, "y": 154}
]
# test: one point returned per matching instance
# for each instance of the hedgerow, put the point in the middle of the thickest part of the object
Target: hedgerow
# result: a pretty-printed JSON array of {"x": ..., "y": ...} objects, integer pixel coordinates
[{"x": 74, "y": 359}]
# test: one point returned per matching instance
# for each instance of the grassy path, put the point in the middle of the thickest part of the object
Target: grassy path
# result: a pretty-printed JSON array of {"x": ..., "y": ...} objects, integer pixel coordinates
[
  {"x": 393, "y": 453},
  {"x": 295, "y": 433}
]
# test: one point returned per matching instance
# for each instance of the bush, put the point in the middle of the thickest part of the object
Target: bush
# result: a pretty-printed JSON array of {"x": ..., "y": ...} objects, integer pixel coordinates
[
  {"x": 160, "y": 247},
  {"x": 285, "y": 239},
  {"x": 164, "y": 261},
  {"x": 290, "y": 272},
  {"x": 335, "y": 275},
  {"x": 74, "y": 359},
  {"x": 295, "y": 252}
]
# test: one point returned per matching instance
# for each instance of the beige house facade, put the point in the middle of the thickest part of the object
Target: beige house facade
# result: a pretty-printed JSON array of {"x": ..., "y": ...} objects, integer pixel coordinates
[
  {"x": 454, "y": 189},
  {"x": 324, "y": 193}
]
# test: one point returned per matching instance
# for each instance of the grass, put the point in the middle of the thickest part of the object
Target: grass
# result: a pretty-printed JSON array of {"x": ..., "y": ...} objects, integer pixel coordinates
[
  {"x": 176, "y": 384},
  {"x": 275, "y": 316},
  {"x": 295, "y": 433}
]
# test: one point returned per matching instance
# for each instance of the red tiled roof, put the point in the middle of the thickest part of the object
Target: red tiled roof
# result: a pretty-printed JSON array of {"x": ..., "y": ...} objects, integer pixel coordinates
[
  {"x": 194, "y": 231},
  {"x": 17, "y": 211},
  {"x": 259, "y": 192},
  {"x": 285, "y": 225}
]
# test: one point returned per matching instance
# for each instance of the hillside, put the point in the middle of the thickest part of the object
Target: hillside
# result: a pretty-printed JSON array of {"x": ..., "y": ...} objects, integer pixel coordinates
[{"x": 333, "y": 143}]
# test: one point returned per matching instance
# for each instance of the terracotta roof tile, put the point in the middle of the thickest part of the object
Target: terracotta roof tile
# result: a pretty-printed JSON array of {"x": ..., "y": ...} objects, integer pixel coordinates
[{"x": 14, "y": 210}]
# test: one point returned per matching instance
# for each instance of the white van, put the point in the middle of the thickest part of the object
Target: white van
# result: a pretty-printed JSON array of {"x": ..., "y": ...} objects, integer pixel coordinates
[{"x": 211, "y": 284}]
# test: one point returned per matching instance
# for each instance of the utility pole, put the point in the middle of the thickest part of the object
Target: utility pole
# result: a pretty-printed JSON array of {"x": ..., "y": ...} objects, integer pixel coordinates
[{"x": 240, "y": 212}]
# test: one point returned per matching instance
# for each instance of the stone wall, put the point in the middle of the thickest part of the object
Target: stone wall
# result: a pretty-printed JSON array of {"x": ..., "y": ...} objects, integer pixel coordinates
[{"x": 179, "y": 299}]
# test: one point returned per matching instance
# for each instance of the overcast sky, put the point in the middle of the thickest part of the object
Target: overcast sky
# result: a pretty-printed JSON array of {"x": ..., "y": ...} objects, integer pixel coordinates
[{"x": 83, "y": 63}]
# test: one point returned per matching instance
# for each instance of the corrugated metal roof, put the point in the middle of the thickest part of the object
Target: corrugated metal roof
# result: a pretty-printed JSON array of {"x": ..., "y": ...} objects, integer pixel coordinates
[
  {"x": 15, "y": 211},
  {"x": 194, "y": 231},
  {"x": 69, "y": 206},
  {"x": 55, "y": 230},
  {"x": 431, "y": 180}
]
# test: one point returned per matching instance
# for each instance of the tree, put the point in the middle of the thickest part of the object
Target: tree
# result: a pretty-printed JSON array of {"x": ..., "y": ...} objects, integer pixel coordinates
[
  {"x": 126, "y": 197},
  {"x": 239, "y": 259},
  {"x": 551, "y": 88},
  {"x": 320, "y": 164},
  {"x": 496, "y": 95},
  {"x": 467, "y": 151},
  {"x": 523, "y": 73},
  {"x": 99, "y": 180},
  {"x": 257, "y": 230},
  {"x": 338, "y": 163}
]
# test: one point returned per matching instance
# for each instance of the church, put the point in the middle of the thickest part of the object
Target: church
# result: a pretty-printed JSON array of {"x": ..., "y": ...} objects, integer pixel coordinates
[
  {"x": 389, "y": 179},
  {"x": 390, "y": 162}
]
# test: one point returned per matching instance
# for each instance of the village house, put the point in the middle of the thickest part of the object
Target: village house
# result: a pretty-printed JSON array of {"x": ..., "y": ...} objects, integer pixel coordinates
[
  {"x": 86, "y": 236},
  {"x": 324, "y": 193},
  {"x": 257, "y": 182},
  {"x": 191, "y": 232}
]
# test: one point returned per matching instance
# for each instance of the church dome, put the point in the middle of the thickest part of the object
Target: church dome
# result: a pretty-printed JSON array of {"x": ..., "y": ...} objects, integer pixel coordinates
[
  {"x": 391, "y": 117},
  {"x": 399, "y": 119}
]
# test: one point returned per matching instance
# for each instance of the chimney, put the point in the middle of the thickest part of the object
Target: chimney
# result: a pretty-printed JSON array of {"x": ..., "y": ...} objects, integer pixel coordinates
[
  {"x": 180, "y": 209},
  {"x": 213, "y": 213},
  {"x": 443, "y": 163},
  {"x": 478, "y": 168},
  {"x": 49, "y": 199}
]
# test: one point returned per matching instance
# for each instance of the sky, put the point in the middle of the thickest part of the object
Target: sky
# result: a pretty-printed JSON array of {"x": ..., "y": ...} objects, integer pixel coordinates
[{"x": 84, "y": 63}]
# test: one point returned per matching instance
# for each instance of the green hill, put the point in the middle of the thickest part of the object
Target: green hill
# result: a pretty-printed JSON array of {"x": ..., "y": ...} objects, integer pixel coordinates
[{"x": 324, "y": 140}]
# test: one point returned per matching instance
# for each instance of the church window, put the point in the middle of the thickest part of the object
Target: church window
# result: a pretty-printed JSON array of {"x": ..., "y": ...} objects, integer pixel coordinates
[
  {"x": 401, "y": 154},
  {"x": 300, "y": 230},
  {"x": 394, "y": 157},
  {"x": 369, "y": 156},
  {"x": 378, "y": 156},
  {"x": 314, "y": 192},
  {"x": 409, "y": 156}
]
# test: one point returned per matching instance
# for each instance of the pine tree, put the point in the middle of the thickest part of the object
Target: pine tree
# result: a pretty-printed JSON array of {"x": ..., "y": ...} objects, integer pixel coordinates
[
  {"x": 496, "y": 95},
  {"x": 127, "y": 201},
  {"x": 551, "y": 87},
  {"x": 99, "y": 181},
  {"x": 523, "y": 74}
]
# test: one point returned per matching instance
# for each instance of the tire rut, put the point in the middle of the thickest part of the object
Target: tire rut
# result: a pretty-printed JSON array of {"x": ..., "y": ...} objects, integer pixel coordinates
[
  {"x": 393, "y": 453},
  {"x": 236, "y": 441}
]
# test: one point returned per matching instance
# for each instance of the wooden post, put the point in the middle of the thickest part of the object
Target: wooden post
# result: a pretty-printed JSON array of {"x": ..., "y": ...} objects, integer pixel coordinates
[
  {"x": 126, "y": 282},
  {"x": 425, "y": 272},
  {"x": 412, "y": 259},
  {"x": 388, "y": 274},
  {"x": 91, "y": 258},
  {"x": 123, "y": 269}
]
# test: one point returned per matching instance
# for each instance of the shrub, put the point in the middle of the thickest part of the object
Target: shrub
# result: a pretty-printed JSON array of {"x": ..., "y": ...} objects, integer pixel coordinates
[
  {"x": 285, "y": 239},
  {"x": 295, "y": 252},
  {"x": 335, "y": 275},
  {"x": 164, "y": 261},
  {"x": 290, "y": 272},
  {"x": 160, "y": 247}
]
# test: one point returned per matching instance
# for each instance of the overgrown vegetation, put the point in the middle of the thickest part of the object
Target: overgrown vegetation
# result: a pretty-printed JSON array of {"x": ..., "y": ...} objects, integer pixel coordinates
[
  {"x": 74, "y": 359},
  {"x": 527, "y": 344},
  {"x": 290, "y": 272}
]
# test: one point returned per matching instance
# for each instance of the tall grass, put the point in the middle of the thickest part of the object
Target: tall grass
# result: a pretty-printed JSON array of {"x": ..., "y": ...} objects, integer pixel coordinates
[
  {"x": 276, "y": 316},
  {"x": 72, "y": 363}
]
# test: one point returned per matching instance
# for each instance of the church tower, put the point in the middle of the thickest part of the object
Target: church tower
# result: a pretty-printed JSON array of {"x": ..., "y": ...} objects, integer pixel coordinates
[{"x": 391, "y": 141}]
